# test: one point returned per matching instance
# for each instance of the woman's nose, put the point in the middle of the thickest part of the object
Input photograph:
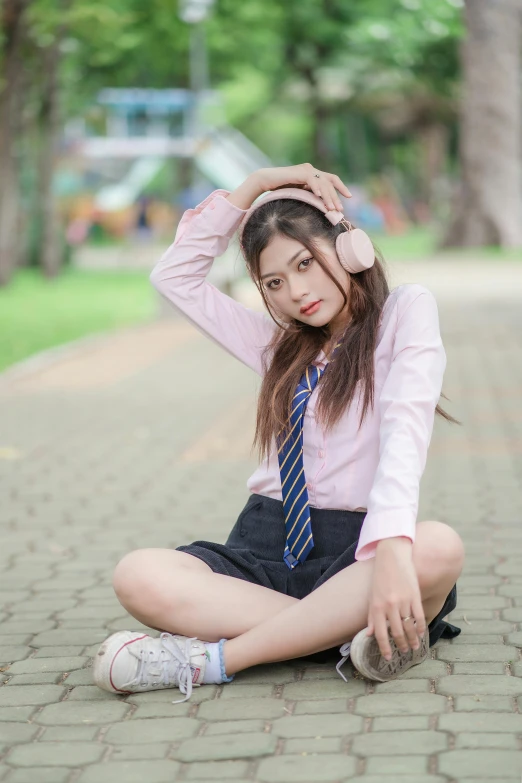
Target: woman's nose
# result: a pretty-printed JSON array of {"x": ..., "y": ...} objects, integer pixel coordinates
[{"x": 298, "y": 292}]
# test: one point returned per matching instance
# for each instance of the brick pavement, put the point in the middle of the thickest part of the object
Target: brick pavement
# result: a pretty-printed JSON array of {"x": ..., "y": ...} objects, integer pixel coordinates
[{"x": 102, "y": 451}]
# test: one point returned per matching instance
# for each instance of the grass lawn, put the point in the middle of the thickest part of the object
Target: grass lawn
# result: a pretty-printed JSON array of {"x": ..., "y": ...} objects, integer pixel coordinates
[
  {"x": 420, "y": 243},
  {"x": 36, "y": 313}
]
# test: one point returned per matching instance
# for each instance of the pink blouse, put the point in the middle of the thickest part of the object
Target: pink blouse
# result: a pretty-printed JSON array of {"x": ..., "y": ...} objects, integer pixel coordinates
[{"x": 377, "y": 467}]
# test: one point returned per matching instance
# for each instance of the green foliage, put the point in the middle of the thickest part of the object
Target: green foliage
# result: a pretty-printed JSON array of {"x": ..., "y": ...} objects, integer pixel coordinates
[{"x": 36, "y": 313}]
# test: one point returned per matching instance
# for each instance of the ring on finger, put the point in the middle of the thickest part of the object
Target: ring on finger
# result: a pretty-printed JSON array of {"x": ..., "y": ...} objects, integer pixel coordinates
[{"x": 409, "y": 617}]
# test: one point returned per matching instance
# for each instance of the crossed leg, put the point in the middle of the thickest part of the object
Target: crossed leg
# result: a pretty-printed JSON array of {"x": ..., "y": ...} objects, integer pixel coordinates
[{"x": 176, "y": 592}]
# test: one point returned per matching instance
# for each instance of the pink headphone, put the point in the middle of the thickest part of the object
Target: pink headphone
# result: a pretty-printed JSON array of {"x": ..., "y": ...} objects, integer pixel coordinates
[{"x": 354, "y": 247}]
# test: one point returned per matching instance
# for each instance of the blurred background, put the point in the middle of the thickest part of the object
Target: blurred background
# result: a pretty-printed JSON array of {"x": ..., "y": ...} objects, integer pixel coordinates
[{"x": 116, "y": 117}]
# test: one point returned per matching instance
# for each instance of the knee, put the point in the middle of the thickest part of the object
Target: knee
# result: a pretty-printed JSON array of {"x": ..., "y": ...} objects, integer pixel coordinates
[
  {"x": 441, "y": 553},
  {"x": 133, "y": 579}
]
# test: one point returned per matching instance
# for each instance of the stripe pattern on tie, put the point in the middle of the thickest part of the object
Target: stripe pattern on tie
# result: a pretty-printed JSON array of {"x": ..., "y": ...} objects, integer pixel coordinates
[{"x": 299, "y": 539}]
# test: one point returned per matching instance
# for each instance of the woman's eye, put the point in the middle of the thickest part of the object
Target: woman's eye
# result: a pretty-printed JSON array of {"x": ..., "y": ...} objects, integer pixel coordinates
[
  {"x": 270, "y": 286},
  {"x": 308, "y": 260}
]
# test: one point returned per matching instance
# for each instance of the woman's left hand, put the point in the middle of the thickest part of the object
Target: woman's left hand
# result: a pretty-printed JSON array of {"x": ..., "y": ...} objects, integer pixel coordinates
[{"x": 395, "y": 594}]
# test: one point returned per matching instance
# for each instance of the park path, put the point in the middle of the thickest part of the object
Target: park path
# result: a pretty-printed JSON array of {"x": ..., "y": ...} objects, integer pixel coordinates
[{"x": 122, "y": 442}]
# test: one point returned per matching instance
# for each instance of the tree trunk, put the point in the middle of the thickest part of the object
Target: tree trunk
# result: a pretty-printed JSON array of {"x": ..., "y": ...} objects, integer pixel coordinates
[
  {"x": 433, "y": 147},
  {"x": 50, "y": 255},
  {"x": 489, "y": 205},
  {"x": 11, "y": 103}
]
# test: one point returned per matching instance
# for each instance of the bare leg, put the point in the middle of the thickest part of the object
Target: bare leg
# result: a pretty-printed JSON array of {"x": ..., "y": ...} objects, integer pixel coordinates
[
  {"x": 336, "y": 611},
  {"x": 176, "y": 592}
]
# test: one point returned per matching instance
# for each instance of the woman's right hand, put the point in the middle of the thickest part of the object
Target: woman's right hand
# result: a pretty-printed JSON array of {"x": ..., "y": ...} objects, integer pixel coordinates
[{"x": 303, "y": 176}]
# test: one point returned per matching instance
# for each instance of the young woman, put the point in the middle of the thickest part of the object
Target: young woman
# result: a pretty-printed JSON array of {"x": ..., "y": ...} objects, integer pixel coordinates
[{"x": 352, "y": 375}]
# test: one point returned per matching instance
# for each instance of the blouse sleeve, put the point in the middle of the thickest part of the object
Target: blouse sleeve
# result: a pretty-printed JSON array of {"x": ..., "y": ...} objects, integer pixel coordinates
[
  {"x": 203, "y": 234},
  {"x": 407, "y": 405}
]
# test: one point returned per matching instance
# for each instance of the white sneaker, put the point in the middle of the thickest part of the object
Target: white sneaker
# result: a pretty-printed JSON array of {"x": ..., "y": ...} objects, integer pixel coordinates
[
  {"x": 132, "y": 662},
  {"x": 367, "y": 659}
]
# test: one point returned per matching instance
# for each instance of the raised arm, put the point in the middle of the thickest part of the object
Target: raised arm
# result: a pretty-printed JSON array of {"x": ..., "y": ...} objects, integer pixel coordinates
[{"x": 180, "y": 275}]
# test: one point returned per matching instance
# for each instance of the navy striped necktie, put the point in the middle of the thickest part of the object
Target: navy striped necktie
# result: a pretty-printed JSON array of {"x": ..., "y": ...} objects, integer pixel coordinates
[{"x": 299, "y": 539}]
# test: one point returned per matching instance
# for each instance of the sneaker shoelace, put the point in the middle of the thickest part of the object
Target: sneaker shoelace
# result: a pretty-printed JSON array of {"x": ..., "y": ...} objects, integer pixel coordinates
[
  {"x": 169, "y": 661},
  {"x": 345, "y": 652}
]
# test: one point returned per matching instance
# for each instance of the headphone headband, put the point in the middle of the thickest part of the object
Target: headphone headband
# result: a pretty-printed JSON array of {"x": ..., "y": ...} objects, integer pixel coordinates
[
  {"x": 354, "y": 247},
  {"x": 333, "y": 215}
]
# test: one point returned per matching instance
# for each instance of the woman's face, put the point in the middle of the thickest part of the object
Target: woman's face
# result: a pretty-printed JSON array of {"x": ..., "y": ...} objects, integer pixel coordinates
[{"x": 293, "y": 279}]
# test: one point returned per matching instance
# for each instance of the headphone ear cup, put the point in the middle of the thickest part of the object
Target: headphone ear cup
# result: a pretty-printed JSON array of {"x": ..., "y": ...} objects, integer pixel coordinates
[{"x": 355, "y": 250}]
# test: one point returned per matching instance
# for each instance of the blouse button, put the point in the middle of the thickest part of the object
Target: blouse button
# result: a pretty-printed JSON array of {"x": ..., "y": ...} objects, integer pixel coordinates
[
  {"x": 308, "y": 485},
  {"x": 320, "y": 453}
]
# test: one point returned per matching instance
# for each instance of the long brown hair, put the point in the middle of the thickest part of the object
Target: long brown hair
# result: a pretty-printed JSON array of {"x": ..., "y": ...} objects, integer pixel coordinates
[{"x": 296, "y": 345}]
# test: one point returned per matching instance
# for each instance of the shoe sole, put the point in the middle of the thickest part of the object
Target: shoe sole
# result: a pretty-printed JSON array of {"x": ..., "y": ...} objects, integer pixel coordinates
[
  {"x": 103, "y": 662},
  {"x": 367, "y": 659}
]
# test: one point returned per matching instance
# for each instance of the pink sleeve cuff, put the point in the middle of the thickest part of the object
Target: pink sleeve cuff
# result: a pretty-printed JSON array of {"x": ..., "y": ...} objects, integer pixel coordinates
[
  {"x": 219, "y": 212},
  {"x": 389, "y": 524}
]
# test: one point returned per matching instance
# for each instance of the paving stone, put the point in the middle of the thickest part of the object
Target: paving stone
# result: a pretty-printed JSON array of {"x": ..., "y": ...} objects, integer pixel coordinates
[
  {"x": 477, "y": 638},
  {"x": 515, "y": 638},
  {"x": 430, "y": 669},
  {"x": 483, "y": 722},
  {"x": 324, "y": 689},
  {"x": 272, "y": 673},
  {"x": 236, "y": 709},
  {"x": 205, "y": 693},
  {"x": 69, "y": 733},
  {"x": 485, "y": 764},
  {"x": 309, "y": 746},
  {"x": 400, "y": 779},
  {"x": 319, "y": 707},
  {"x": 402, "y": 744},
  {"x": 479, "y": 652},
  {"x": 483, "y": 704},
  {"x": 46, "y": 678},
  {"x": 65, "y": 713},
  {"x": 15, "y": 652},
  {"x": 413, "y": 723},
  {"x": 217, "y": 770},
  {"x": 79, "y": 677},
  {"x": 247, "y": 690},
  {"x": 465, "y": 685},
  {"x": 70, "y": 651},
  {"x": 26, "y": 626},
  {"x": 494, "y": 668},
  {"x": 215, "y": 749},
  {"x": 317, "y": 725},
  {"x": 482, "y": 602},
  {"x": 130, "y": 772},
  {"x": 58, "y": 638},
  {"x": 487, "y": 627},
  {"x": 56, "y": 754},
  {"x": 151, "y": 730},
  {"x": 409, "y": 704},
  {"x": 513, "y": 615},
  {"x": 397, "y": 765},
  {"x": 11, "y": 733},
  {"x": 58, "y": 664},
  {"x": 498, "y": 741},
  {"x": 151, "y": 750},
  {"x": 162, "y": 710},
  {"x": 234, "y": 727},
  {"x": 403, "y": 686},
  {"x": 323, "y": 768},
  {"x": 16, "y": 714},
  {"x": 30, "y": 694},
  {"x": 91, "y": 693},
  {"x": 42, "y": 775}
]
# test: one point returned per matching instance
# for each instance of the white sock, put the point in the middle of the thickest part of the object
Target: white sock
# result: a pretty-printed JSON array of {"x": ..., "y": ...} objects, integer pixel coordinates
[{"x": 215, "y": 667}]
